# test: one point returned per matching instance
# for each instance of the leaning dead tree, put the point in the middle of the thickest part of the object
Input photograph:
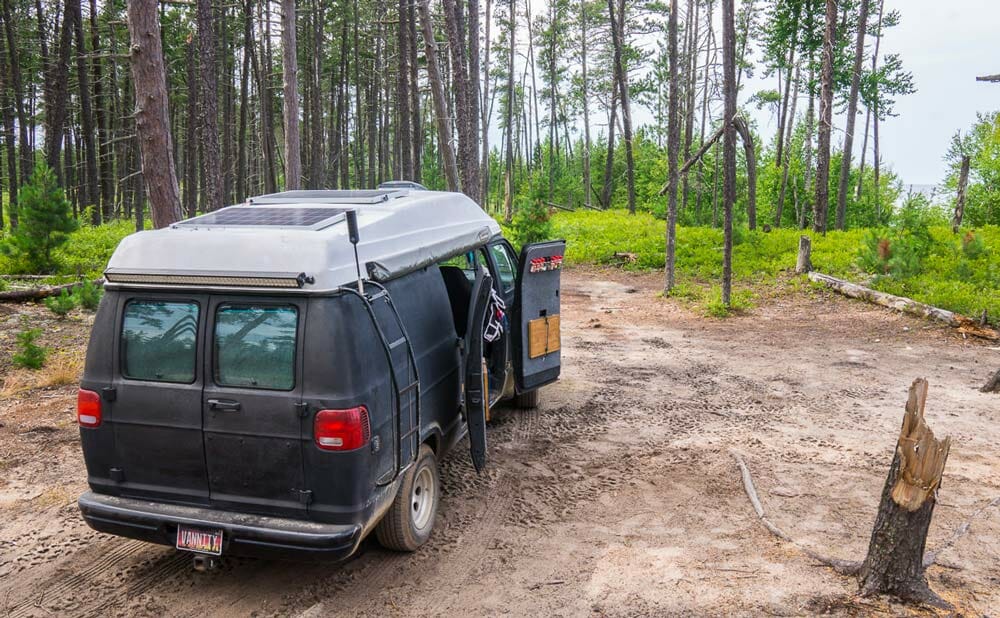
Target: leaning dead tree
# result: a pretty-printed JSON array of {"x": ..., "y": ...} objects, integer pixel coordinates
[
  {"x": 895, "y": 561},
  {"x": 746, "y": 137}
]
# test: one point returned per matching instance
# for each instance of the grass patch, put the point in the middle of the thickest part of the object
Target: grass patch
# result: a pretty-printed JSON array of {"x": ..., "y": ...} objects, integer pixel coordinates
[{"x": 950, "y": 276}]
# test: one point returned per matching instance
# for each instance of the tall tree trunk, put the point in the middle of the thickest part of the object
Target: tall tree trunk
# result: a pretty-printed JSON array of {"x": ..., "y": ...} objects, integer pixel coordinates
[
  {"x": 416, "y": 123},
  {"x": 787, "y": 157},
  {"x": 508, "y": 181},
  {"x": 822, "y": 205},
  {"x": 57, "y": 89},
  {"x": 963, "y": 180},
  {"x": 152, "y": 117},
  {"x": 895, "y": 561},
  {"x": 92, "y": 194},
  {"x": 783, "y": 118},
  {"x": 191, "y": 135},
  {"x": 585, "y": 95},
  {"x": 27, "y": 155},
  {"x": 474, "y": 172},
  {"x": 440, "y": 104},
  {"x": 290, "y": 67},
  {"x": 876, "y": 158},
  {"x": 673, "y": 148},
  {"x": 485, "y": 112},
  {"x": 241, "y": 140},
  {"x": 608, "y": 187},
  {"x": 728, "y": 144},
  {"x": 617, "y": 36},
  {"x": 852, "y": 112},
  {"x": 209, "y": 105},
  {"x": 467, "y": 138},
  {"x": 403, "y": 94},
  {"x": 808, "y": 166}
]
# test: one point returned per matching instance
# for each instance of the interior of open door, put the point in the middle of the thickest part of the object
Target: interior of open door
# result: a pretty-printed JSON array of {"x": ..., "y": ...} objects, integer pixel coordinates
[
  {"x": 538, "y": 342},
  {"x": 476, "y": 399}
]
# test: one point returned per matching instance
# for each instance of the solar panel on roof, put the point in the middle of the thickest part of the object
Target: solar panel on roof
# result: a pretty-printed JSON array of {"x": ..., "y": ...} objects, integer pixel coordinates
[
  {"x": 364, "y": 196},
  {"x": 267, "y": 217}
]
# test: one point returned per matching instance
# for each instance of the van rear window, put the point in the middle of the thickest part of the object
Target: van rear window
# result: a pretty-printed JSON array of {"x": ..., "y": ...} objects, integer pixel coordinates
[
  {"x": 255, "y": 346},
  {"x": 158, "y": 341}
]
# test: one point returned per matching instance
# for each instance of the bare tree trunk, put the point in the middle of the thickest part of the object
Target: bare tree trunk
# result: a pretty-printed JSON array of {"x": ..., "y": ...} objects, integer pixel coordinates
[
  {"x": 437, "y": 91},
  {"x": 467, "y": 138},
  {"x": 403, "y": 95},
  {"x": 895, "y": 561},
  {"x": 585, "y": 93},
  {"x": 963, "y": 181},
  {"x": 617, "y": 36},
  {"x": 810, "y": 113},
  {"x": 729, "y": 144},
  {"x": 673, "y": 148},
  {"x": 783, "y": 116},
  {"x": 190, "y": 138},
  {"x": 609, "y": 162},
  {"x": 787, "y": 158},
  {"x": 508, "y": 180},
  {"x": 57, "y": 90},
  {"x": 876, "y": 160},
  {"x": 26, "y": 152},
  {"x": 152, "y": 117},
  {"x": 751, "y": 156},
  {"x": 209, "y": 105},
  {"x": 241, "y": 137},
  {"x": 475, "y": 172},
  {"x": 852, "y": 112},
  {"x": 290, "y": 67},
  {"x": 822, "y": 204},
  {"x": 93, "y": 195}
]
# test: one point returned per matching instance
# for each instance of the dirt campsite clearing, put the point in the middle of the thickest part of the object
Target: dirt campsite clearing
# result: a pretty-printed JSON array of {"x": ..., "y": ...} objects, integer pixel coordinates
[{"x": 618, "y": 496}]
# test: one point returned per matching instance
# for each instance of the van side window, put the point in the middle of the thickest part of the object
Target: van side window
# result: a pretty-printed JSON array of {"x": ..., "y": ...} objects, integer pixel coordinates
[
  {"x": 158, "y": 341},
  {"x": 255, "y": 346},
  {"x": 505, "y": 266}
]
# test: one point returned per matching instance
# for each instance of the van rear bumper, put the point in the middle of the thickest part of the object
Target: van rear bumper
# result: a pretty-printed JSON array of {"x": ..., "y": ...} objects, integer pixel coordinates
[{"x": 244, "y": 535}]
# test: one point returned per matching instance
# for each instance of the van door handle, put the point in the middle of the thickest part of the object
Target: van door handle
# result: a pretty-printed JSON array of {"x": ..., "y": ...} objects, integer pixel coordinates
[{"x": 224, "y": 405}]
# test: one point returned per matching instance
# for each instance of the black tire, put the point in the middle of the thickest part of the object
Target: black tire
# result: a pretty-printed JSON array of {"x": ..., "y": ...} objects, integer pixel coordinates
[
  {"x": 407, "y": 526},
  {"x": 527, "y": 400}
]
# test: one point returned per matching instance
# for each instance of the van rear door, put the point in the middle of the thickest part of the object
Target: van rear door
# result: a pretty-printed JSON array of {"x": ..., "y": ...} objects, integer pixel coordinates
[
  {"x": 536, "y": 350},
  {"x": 251, "y": 404},
  {"x": 154, "y": 404},
  {"x": 476, "y": 398}
]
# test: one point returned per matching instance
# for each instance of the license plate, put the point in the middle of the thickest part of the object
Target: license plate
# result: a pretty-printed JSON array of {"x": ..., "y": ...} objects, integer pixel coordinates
[{"x": 202, "y": 541}]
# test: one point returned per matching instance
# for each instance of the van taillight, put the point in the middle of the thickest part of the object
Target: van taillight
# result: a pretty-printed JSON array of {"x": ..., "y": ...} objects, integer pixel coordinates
[
  {"x": 342, "y": 430},
  {"x": 88, "y": 408}
]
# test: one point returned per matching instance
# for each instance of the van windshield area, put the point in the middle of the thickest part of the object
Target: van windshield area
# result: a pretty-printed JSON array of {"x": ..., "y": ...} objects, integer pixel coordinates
[
  {"x": 255, "y": 346},
  {"x": 158, "y": 341}
]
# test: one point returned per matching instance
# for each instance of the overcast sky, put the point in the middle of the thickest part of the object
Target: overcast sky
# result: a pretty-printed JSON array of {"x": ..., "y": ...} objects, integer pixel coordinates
[{"x": 945, "y": 44}]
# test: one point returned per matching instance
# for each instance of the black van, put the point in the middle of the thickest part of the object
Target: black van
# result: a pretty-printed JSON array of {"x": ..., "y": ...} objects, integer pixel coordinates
[{"x": 279, "y": 378}]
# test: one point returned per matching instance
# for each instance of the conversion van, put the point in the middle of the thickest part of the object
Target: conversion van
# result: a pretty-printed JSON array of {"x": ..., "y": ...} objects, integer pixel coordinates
[{"x": 279, "y": 378}]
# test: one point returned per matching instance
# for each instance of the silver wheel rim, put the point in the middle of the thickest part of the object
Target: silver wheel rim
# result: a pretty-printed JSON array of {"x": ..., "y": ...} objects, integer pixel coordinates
[{"x": 422, "y": 498}]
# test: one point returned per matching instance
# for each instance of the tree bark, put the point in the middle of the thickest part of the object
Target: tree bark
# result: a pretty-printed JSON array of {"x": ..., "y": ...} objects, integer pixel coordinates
[
  {"x": 403, "y": 94},
  {"x": 208, "y": 100},
  {"x": 787, "y": 158},
  {"x": 804, "y": 262},
  {"x": 191, "y": 135},
  {"x": 728, "y": 144},
  {"x": 585, "y": 95},
  {"x": 437, "y": 92},
  {"x": 617, "y": 38},
  {"x": 673, "y": 149},
  {"x": 57, "y": 91},
  {"x": 290, "y": 66},
  {"x": 90, "y": 184},
  {"x": 852, "y": 112},
  {"x": 895, "y": 561},
  {"x": 963, "y": 181},
  {"x": 751, "y": 156},
  {"x": 822, "y": 204},
  {"x": 607, "y": 189},
  {"x": 152, "y": 117}
]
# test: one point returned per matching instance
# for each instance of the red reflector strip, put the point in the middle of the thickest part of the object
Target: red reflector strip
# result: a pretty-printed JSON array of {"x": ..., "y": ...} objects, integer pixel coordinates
[{"x": 542, "y": 264}]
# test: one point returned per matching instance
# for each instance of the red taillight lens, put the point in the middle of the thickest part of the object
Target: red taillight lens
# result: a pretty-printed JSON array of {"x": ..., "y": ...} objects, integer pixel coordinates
[
  {"x": 88, "y": 408},
  {"x": 342, "y": 430}
]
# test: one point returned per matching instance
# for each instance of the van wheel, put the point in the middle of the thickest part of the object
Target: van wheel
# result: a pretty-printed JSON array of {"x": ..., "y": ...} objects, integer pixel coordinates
[
  {"x": 527, "y": 400},
  {"x": 410, "y": 519}
]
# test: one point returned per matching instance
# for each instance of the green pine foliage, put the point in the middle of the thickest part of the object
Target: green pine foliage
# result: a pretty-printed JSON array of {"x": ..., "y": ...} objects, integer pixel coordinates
[
  {"x": 44, "y": 222},
  {"x": 61, "y": 304},
  {"x": 88, "y": 295},
  {"x": 28, "y": 354}
]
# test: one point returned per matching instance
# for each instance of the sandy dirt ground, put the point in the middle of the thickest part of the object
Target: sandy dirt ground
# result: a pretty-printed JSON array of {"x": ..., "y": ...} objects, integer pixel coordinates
[{"x": 618, "y": 496}]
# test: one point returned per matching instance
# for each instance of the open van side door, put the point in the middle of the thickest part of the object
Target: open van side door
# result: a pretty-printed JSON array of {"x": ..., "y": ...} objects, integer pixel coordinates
[
  {"x": 536, "y": 319},
  {"x": 474, "y": 386}
]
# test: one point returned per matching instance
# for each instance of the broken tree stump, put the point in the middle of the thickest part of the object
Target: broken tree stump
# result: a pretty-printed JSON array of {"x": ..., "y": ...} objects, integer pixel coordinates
[
  {"x": 804, "y": 263},
  {"x": 993, "y": 384},
  {"x": 895, "y": 561}
]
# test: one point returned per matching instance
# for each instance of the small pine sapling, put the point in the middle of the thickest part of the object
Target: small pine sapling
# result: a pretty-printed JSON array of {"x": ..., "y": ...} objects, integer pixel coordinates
[
  {"x": 61, "y": 304},
  {"x": 29, "y": 354},
  {"x": 88, "y": 295},
  {"x": 45, "y": 220}
]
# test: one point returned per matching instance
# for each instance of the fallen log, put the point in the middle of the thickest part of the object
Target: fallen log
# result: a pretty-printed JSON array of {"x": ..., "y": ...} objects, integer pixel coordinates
[
  {"x": 906, "y": 305},
  {"x": 26, "y": 296},
  {"x": 624, "y": 257}
]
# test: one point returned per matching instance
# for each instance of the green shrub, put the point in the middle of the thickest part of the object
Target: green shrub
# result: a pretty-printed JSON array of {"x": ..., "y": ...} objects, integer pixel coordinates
[
  {"x": 61, "y": 304},
  {"x": 29, "y": 354},
  {"x": 88, "y": 295},
  {"x": 44, "y": 222},
  {"x": 531, "y": 223},
  {"x": 973, "y": 246}
]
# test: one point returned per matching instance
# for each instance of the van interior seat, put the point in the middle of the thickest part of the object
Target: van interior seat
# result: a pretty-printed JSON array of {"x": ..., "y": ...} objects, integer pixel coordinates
[{"x": 459, "y": 292}]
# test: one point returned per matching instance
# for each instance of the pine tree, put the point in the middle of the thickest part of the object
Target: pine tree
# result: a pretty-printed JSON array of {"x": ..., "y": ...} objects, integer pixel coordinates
[{"x": 45, "y": 220}]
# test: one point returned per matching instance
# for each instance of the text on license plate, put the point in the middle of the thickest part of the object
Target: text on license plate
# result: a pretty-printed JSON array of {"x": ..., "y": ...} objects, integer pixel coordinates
[{"x": 205, "y": 541}]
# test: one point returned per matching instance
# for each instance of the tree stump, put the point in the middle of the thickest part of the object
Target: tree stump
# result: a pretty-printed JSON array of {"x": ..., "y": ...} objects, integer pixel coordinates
[
  {"x": 894, "y": 564},
  {"x": 804, "y": 263},
  {"x": 993, "y": 384}
]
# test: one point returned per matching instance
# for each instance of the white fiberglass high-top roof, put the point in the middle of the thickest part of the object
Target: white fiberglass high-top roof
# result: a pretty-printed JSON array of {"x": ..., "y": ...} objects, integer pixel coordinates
[{"x": 305, "y": 233}]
